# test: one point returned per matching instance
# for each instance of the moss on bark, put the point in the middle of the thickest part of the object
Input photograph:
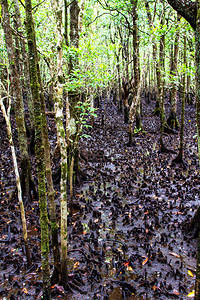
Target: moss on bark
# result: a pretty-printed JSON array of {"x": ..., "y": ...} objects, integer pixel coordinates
[{"x": 39, "y": 149}]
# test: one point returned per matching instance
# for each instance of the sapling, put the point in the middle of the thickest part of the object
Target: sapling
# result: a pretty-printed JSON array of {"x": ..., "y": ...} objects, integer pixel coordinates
[{"x": 6, "y": 114}]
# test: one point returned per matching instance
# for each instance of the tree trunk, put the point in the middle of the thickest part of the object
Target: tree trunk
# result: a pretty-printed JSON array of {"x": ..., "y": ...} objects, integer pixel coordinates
[
  {"x": 23, "y": 216},
  {"x": 39, "y": 149},
  {"x": 74, "y": 96},
  {"x": 74, "y": 33},
  {"x": 179, "y": 158},
  {"x": 197, "y": 39},
  {"x": 198, "y": 77},
  {"x": 136, "y": 89},
  {"x": 25, "y": 70},
  {"x": 172, "y": 121},
  {"x": 191, "y": 12},
  {"x": 18, "y": 102},
  {"x": 58, "y": 103}
]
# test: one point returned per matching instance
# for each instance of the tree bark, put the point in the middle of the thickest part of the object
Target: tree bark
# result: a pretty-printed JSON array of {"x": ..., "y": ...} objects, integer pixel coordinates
[
  {"x": 39, "y": 149},
  {"x": 6, "y": 115},
  {"x": 191, "y": 12},
  {"x": 197, "y": 215},
  {"x": 18, "y": 102},
  {"x": 187, "y": 9},
  {"x": 172, "y": 121},
  {"x": 137, "y": 83},
  {"x": 179, "y": 158},
  {"x": 58, "y": 101},
  {"x": 26, "y": 79}
]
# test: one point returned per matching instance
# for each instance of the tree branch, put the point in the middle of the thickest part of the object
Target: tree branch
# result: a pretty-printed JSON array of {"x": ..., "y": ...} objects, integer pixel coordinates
[{"x": 187, "y": 9}]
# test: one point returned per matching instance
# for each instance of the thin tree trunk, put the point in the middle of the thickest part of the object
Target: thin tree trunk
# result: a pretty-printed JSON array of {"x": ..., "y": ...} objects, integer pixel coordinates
[
  {"x": 18, "y": 102},
  {"x": 179, "y": 158},
  {"x": 23, "y": 216},
  {"x": 39, "y": 149},
  {"x": 58, "y": 100},
  {"x": 25, "y": 69},
  {"x": 172, "y": 121},
  {"x": 66, "y": 23},
  {"x": 197, "y": 39},
  {"x": 136, "y": 62},
  {"x": 74, "y": 96}
]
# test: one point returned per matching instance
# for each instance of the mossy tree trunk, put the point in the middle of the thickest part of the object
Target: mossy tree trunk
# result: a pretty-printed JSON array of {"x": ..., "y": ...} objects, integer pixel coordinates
[
  {"x": 39, "y": 149},
  {"x": 25, "y": 71},
  {"x": 25, "y": 175},
  {"x": 58, "y": 103}
]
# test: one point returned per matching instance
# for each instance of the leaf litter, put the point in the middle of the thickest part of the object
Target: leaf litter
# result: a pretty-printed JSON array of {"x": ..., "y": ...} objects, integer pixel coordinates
[{"x": 127, "y": 238}]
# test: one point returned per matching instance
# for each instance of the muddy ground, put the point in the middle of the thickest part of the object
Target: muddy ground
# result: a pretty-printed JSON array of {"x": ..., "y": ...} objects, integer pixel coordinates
[{"x": 127, "y": 238}]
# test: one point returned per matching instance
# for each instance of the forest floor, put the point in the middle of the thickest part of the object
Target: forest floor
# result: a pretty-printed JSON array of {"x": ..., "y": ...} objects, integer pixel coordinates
[{"x": 126, "y": 238}]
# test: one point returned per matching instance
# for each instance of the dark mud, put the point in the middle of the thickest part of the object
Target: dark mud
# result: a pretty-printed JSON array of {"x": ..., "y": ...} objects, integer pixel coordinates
[{"x": 127, "y": 238}]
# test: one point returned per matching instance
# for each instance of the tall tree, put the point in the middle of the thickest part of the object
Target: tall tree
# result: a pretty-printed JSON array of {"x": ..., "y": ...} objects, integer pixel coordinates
[
  {"x": 58, "y": 104},
  {"x": 6, "y": 114},
  {"x": 191, "y": 12},
  {"x": 179, "y": 158},
  {"x": 25, "y": 72},
  {"x": 26, "y": 179},
  {"x": 173, "y": 120},
  {"x": 39, "y": 148},
  {"x": 73, "y": 95},
  {"x": 136, "y": 65}
]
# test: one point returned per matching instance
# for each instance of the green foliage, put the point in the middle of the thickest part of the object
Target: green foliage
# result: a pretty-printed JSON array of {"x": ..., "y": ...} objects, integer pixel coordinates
[
  {"x": 106, "y": 29},
  {"x": 84, "y": 110}
]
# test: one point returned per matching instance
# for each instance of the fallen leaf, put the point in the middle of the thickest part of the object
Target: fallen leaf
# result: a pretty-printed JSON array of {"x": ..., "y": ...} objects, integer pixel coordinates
[
  {"x": 190, "y": 273},
  {"x": 112, "y": 271},
  {"x": 156, "y": 288},
  {"x": 191, "y": 295},
  {"x": 145, "y": 261},
  {"x": 25, "y": 290},
  {"x": 76, "y": 265},
  {"x": 174, "y": 254},
  {"x": 120, "y": 250},
  {"x": 175, "y": 292}
]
